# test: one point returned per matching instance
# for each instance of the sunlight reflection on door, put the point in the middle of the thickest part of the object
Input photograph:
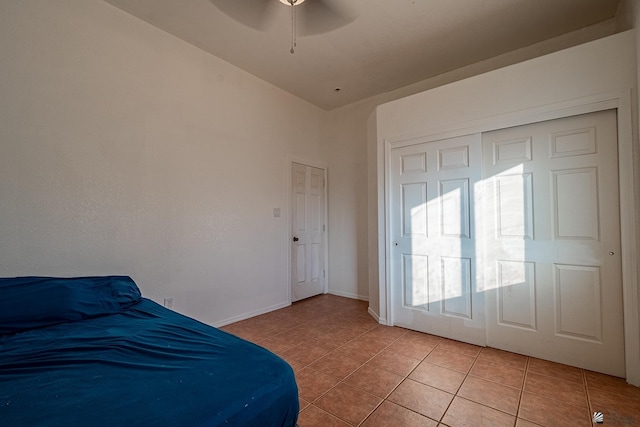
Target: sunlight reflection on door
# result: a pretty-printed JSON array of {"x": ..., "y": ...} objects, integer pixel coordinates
[
  {"x": 511, "y": 225},
  {"x": 451, "y": 211}
]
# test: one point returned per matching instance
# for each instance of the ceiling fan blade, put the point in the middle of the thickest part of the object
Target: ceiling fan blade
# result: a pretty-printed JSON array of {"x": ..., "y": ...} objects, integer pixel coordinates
[
  {"x": 252, "y": 13},
  {"x": 322, "y": 16}
]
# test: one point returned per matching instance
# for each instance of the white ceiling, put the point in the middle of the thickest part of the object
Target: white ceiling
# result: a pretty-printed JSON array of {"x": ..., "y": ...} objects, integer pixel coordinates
[{"x": 389, "y": 44}]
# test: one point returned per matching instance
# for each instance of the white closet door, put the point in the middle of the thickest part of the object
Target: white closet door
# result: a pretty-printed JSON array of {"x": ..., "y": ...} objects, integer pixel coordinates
[
  {"x": 553, "y": 266},
  {"x": 434, "y": 273}
]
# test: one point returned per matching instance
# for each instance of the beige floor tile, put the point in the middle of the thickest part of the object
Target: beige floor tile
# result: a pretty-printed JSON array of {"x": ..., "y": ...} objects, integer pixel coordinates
[
  {"x": 379, "y": 382},
  {"x": 561, "y": 390},
  {"x": 361, "y": 349},
  {"x": 503, "y": 374},
  {"x": 524, "y": 423},
  {"x": 391, "y": 415},
  {"x": 313, "y": 384},
  {"x": 385, "y": 333},
  {"x": 493, "y": 395},
  {"x": 459, "y": 347},
  {"x": 556, "y": 370},
  {"x": 414, "y": 349},
  {"x": 447, "y": 359},
  {"x": 421, "y": 398},
  {"x": 464, "y": 413},
  {"x": 398, "y": 364},
  {"x": 348, "y": 403},
  {"x": 612, "y": 385},
  {"x": 552, "y": 412},
  {"x": 336, "y": 365},
  {"x": 503, "y": 357},
  {"x": 436, "y": 376},
  {"x": 304, "y": 354},
  {"x": 313, "y": 416}
]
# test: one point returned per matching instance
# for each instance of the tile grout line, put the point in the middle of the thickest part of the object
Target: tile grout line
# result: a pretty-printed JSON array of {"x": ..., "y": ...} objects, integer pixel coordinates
[
  {"x": 385, "y": 399},
  {"x": 587, "y": 394},
  {"x": 475, "y": 359},
  {"x": 524, "y": 381},
  {"x": 495, "y": 382},
  {"x": 348, "y": 376},
  {"x": 544, "y": 396}
]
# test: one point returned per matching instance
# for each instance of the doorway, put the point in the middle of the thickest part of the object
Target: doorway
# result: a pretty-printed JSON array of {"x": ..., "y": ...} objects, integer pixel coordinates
[{"x": 308, "y": 231}]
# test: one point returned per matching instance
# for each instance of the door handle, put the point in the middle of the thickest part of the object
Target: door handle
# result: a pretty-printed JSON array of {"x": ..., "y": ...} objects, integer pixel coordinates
[{"x": 295, "y": 239}]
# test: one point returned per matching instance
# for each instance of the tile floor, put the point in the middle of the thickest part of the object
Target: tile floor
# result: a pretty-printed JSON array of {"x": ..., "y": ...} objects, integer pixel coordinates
[{"x": 352, "y": 371}]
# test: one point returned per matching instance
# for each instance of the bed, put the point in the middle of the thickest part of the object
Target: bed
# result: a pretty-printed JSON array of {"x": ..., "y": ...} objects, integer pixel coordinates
[{"x": 92, "y": 351}]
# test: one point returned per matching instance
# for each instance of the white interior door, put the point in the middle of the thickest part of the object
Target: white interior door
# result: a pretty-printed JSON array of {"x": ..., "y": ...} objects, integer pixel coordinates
[
  {"x": 434, "y": 274},
  {"x": 308, "y": 276},
  {"x": 553, "y": 270}
]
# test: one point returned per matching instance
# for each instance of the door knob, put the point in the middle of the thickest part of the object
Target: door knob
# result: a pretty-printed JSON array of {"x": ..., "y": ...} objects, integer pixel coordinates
[{"x": 295, "y": 239}]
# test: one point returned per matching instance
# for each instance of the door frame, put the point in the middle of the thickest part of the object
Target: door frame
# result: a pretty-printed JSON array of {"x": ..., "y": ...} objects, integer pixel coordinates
[
  {"x": 618, "y": 100},
  {"x": 289, "y": 217}
]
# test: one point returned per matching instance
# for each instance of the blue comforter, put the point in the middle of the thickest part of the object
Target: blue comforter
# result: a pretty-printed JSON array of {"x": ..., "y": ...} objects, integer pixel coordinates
[{"x": 143, "y": 365}]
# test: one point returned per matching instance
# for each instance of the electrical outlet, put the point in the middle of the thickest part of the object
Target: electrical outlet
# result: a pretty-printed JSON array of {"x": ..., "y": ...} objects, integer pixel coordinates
[
  {"x": 168, "y": 303},
  {"x": 276, "y": 212}
]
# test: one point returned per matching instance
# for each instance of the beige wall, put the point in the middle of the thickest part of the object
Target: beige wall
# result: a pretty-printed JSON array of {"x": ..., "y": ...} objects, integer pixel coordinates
[{"x": 124, "y": 150}]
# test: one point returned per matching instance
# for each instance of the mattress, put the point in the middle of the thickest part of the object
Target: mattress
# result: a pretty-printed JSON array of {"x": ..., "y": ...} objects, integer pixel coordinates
[{"x": 142, "y": 365}]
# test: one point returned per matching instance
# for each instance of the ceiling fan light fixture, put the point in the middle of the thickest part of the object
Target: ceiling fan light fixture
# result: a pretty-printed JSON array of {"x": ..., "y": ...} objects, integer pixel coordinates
[{"x": 295, "y": 2}]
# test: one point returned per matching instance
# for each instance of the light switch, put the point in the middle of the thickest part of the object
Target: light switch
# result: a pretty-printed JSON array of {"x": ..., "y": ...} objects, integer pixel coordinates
[{"x": 276, "y": 212}]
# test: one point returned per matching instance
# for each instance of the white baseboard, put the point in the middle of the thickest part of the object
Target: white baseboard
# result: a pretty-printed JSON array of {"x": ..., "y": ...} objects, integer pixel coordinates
[
  {"x": 250, "y": 314},
  {"x": 380, "y": 320},
  {"x": 349, "y": 295},
  {"x": 373, "y": 314}
]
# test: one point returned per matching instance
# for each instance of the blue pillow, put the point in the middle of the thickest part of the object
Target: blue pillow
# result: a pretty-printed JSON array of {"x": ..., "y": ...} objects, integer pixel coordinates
[{"x": 35, "y": 302}]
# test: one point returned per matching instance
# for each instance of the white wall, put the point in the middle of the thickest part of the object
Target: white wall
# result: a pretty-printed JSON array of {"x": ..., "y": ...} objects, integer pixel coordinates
[
  {"x": 124, "y": 150},
  {"x": 603, "y": 66},
  {"x": 636, "y": 24},
  {"x": 348, "y": 202},
  {"x": 592, "y": 68}
]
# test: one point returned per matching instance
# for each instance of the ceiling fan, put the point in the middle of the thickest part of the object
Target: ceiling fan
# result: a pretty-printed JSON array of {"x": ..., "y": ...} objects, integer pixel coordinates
[{"x": 308, "y": 17}]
